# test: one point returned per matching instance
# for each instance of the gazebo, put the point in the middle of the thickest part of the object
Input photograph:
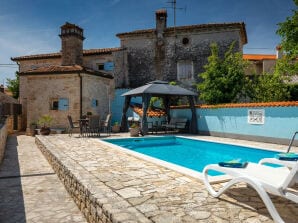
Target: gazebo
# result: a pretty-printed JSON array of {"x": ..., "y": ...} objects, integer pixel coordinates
[{"x": 163, "y": 90}]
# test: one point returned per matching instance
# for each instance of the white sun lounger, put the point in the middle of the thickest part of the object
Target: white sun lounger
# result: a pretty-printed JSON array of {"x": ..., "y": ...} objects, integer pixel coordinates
[{"x": 263, "y": 179}]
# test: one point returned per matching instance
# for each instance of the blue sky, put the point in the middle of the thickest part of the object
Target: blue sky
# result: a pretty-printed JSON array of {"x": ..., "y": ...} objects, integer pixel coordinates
[{"x": 32, "y": 26}]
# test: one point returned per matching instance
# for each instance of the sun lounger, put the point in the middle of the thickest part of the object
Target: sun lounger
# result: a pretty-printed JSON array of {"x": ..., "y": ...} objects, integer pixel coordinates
[{"x": 264, "y": 179}]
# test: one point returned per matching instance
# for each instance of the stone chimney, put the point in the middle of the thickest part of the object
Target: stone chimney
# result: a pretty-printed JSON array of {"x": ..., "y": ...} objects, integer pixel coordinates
[
  {"x": 161, "y": 22},
  {"x": 72, "y": 44},
  {"x": 279, "y": 52}
]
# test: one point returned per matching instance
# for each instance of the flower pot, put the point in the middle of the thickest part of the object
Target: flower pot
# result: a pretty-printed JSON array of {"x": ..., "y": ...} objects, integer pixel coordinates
[
  {"x": 134, "y": 131},
  {"x": 116, "y": 128},
  {"x": 45, "y": 131}
]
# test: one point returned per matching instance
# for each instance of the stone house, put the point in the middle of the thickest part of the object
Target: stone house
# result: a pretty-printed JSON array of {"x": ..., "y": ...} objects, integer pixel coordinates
[
  {"x": 71, "y": 82},
  {"x": 260, "y": 63},
  {"x": 171, "y": 53}
]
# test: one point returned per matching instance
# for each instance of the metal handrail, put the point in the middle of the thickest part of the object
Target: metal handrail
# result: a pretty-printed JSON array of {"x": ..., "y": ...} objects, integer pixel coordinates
[{"x": 292, "y": 140}]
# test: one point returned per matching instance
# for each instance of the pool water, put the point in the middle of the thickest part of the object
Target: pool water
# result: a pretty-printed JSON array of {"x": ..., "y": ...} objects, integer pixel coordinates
[{"x": 189, "y": 153}]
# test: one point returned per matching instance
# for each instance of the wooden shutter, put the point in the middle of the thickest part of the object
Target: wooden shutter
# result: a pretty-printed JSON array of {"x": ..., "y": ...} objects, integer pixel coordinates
[
  {"x": 108, "y": 66},
  {"x": 63, "y": 104}
]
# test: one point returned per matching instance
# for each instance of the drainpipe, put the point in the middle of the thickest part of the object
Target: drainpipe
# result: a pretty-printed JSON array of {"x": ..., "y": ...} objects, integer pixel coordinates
[{"x": 81, "y": 95}]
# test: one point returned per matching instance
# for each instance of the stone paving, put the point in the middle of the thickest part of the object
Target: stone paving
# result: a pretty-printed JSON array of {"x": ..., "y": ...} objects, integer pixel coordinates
[
  {"x": 30, "y": 191},
  {"x": 124, "y": 188}
]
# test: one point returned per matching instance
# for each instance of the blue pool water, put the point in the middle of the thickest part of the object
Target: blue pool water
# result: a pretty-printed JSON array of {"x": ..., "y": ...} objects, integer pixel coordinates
[{"x": 192, "y": 154}]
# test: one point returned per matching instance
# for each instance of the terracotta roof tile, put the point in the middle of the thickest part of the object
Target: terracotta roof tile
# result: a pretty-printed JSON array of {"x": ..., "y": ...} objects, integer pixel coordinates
[
  {"x": 240, "y": 25},
  {"x": 64, "y": 69},
  {"x": 259, "y": 57},
  {"x": 150, "y": 113},
  {"x": 244, "y": 105},
  {"x": 57, "y": 55}
]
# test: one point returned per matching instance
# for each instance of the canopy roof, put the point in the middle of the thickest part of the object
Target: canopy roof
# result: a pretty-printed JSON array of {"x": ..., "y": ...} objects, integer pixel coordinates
[{"x": 159, "y": 88}]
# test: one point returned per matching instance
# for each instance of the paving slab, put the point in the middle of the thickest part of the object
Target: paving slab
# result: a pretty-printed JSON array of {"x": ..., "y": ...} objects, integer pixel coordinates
[
  {"x": 125, "y": 185},
  {"x": 30, "y": 191}
]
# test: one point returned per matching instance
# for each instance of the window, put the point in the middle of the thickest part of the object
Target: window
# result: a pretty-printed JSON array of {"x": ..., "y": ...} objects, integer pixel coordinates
[
  {"x": 107, "y": 66},
  {"x": 94, "y": 103},
  {"x": 185, "y": 41},
  {"x": 100, "y": 66},
  {"x": 60, "y": 104},
  {"x": 55, "y": 105},
  {"x": 185, "y": 70}
]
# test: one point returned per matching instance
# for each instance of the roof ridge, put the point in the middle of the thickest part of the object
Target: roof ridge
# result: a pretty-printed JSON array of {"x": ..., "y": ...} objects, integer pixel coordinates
[{"x": 58, "y": 54}]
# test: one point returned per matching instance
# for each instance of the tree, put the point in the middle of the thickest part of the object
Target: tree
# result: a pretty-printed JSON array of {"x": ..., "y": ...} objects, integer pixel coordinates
[
  {"x": 223, "y": 79},
  {"x": 13, "y": 86},
  {"x": 288, "y": 32},
  {"x": 267, "y": 88}
]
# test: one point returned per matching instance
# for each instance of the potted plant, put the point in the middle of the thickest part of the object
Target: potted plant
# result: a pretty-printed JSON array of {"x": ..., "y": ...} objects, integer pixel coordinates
[
  {"x": 116, "y": 127},
  {"x": 45, "y": 122},
  {"x": 134, "y": 129},
  {"x": 33, "y": 127}
]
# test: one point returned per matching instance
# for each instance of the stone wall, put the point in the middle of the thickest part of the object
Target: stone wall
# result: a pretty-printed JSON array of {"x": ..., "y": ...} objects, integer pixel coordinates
[
  {"x": 3, "y": 136},
  {"x": 147, "y": 60},
  {"x": 97, "y": 202},
  {"x": 100, "y": 89},
  {"x": 37, "y": 93}
]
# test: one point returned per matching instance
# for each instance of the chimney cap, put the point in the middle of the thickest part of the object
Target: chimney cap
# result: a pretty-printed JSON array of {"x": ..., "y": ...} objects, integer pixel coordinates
[
  {"x": 71, "y": 29},
  {"x": 68, "y": 25},
  {"x": 278, "y": 47},
  {"x": 161, "y": 12}
]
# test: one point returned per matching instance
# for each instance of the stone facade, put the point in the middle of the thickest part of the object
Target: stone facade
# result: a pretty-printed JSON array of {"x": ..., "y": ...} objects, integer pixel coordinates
[
  {"x": 260, "y": 63},
  {"x": 3, "y": 136},
  {"x": 164, "y": 53},
  {"x": 72, "y": 82}
]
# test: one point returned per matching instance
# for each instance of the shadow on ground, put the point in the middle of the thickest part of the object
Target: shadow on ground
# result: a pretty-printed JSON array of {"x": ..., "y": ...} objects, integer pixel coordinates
[{"x": 11, "y": 195}]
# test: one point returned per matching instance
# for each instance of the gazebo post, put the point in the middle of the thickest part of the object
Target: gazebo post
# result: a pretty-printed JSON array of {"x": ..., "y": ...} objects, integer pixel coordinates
[
  {"x": 193, "y": 122},
  {"x": 124, "y": 127},
  {"x": 145, "y": 105},
  {"x": 166, "y": 101}
]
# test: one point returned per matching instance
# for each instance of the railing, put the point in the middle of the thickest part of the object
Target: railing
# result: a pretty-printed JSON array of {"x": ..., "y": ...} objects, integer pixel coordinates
[{"x": 292, "y": 140}]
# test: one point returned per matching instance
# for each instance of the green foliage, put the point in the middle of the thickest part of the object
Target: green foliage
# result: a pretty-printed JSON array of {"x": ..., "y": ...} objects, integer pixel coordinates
[
  {"x": 156, "y": 100},
  {"x": 288, "y": 32},
  {"x": 267, "y": 88},
  {"x": 45, "y": 121},
  {"x": 223, "y": 79},
  {"x": 134, "y": 125},
  {"x": 13, "y": 86},
  {"x": 293, "y": 90},
  {"x": 286, "y": 67}
]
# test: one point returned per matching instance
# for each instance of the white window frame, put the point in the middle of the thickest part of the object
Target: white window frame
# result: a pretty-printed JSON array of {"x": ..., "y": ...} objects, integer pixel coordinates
[{"x": 183, "y": 76}]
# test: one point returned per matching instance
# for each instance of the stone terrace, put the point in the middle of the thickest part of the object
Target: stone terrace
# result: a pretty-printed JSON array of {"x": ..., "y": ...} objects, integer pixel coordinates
[{"x": 109, "y": 185}]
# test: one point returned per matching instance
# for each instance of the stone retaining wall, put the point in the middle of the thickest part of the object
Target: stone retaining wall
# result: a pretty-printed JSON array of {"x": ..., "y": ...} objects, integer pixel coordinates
[
  {"x": 3, "y": 136},
  {"x": 96, "y": 201}
]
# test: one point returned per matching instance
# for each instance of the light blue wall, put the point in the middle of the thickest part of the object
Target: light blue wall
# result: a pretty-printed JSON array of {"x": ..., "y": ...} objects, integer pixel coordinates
[
  {"x": 280, "y": 122},
  {"x": 117, "y": 105}
]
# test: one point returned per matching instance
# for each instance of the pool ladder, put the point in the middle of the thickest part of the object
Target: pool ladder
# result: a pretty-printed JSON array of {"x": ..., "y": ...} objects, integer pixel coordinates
[{"x": 291, "y": 142}]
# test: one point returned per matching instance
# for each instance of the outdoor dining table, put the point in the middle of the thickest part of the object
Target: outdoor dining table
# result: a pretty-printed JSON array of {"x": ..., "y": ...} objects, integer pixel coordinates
[{"x": 83, "y": 122}]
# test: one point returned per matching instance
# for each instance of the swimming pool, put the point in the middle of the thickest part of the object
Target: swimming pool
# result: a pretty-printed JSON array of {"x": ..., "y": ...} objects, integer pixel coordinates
[{"x": 190, "y": 153}]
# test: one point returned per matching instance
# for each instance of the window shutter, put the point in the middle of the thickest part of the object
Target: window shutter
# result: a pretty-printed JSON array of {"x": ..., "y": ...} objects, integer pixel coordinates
[
  {"x": 63, "y": 104},
  {"x": 108, "y": 66},
  {"x": 94, "y": 103}
]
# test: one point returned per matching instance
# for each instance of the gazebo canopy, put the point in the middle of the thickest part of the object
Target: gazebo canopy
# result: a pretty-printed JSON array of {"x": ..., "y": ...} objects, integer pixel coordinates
[{"x": 157, "y": 87}]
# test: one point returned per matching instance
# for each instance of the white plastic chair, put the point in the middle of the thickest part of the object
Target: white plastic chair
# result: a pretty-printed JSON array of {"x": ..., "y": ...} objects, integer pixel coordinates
[{"x": 275, "y": 180}]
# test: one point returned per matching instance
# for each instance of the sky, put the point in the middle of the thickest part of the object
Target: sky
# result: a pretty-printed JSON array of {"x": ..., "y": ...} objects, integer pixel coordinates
[{"x": 30, "y": 27}]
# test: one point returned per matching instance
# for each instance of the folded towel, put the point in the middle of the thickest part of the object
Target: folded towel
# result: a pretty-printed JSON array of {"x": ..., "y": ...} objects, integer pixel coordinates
[
  {"x": 233, "y": 163},
  {"x": 287, "y": 156}
]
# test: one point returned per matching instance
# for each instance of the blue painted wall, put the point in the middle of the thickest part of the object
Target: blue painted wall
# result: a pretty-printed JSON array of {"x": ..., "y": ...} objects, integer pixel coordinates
[
  {"x": 280, "y": 122},
  {"x": 117, "y": 105}
]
